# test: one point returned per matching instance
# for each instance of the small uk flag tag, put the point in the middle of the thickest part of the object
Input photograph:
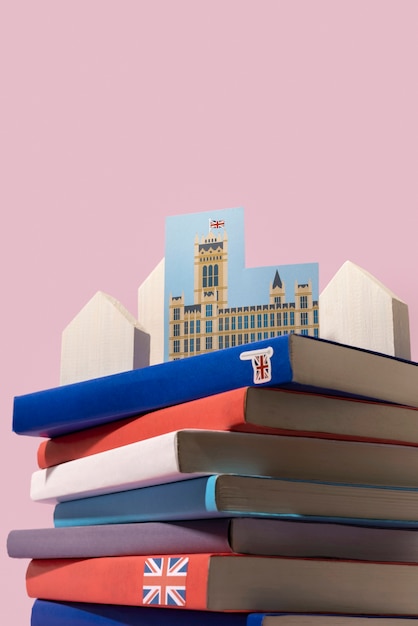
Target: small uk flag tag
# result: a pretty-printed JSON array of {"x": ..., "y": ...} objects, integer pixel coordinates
[{"x": 261, "y": 363}]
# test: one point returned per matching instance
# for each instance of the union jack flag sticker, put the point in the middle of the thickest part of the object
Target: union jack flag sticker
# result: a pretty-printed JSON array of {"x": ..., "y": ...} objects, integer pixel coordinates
[
  {"x": 164, "y": 582},
  {"x": 261, "y": 363}
]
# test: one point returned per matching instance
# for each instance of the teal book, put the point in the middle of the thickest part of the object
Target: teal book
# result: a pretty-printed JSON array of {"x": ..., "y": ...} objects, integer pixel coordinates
[
  {"x": 290, "y": 361},
  {"x": 229, "y": 495}
]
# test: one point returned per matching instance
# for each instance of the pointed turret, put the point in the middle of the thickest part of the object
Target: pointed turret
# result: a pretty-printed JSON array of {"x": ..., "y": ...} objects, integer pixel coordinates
[{"x": 277, "y": 282}]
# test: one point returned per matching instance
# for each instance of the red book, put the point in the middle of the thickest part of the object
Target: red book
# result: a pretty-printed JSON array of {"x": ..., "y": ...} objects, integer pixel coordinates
[
  {"x": 248, "y": 409},
  {"x": 218, "y": 582}
]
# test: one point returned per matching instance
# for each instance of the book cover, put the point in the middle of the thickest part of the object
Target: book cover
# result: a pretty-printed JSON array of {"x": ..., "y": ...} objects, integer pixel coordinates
[
  {"x": 217, "y": 582},
  {"x": 309, "y": 619},
  {"x": 261, "y": 536},
  {"x": 294, "y": 361},
  {"x": 229, "y": 495},
  {"x": 123, "y": 539},
  {"x": 187, "y": 454},
  {"x": 249, "y": 409},
  {"x": 49, "y": 613}
]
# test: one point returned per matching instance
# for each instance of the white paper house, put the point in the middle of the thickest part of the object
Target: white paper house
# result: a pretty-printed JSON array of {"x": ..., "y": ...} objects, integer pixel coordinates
[
  {"x": 103, "y": 338},
  {"x": 356, "y": 309},
  {"x": 151, "y": 310}
]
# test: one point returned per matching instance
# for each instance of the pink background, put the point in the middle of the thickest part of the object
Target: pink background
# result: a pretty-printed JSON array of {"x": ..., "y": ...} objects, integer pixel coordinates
[{"x": 117, "y": 114}]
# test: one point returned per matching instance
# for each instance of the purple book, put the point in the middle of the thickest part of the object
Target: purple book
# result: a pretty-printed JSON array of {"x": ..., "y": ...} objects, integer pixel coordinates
[
  {"x": 120, "y": 539},
  {"x": 260, "y": 536}
]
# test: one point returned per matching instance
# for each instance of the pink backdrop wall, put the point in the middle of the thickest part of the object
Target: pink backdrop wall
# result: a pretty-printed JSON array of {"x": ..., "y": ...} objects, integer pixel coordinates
[{"x": 117, "y": 114}]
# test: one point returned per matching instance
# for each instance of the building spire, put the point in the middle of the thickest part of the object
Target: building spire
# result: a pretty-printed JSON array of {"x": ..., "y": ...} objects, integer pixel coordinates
[{"x": 277, "y": 282}]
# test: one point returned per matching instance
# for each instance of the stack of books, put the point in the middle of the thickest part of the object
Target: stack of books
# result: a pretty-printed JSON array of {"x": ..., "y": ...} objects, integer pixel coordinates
[{"x": 274, "y": 483}]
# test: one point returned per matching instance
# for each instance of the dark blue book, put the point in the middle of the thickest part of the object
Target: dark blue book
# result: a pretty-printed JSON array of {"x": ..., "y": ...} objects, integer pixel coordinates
[
  {"x": 47, "y": 613},
  {"x": 229, "y": 495},
  {"x": 290, "y": 361}
]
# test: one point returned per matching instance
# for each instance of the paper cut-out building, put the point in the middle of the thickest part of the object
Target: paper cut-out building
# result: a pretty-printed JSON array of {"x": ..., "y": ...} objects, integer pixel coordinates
[
  {"x": 354, "y": 308},
  {"x": 103, "y": 338},
  {"x": 359, "y": 310},
  {"x": 209, "y": 323},
  {"x": 151, "y": 311}
]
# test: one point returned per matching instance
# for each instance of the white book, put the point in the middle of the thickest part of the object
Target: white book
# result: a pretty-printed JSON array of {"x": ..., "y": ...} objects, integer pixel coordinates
[{"x": 186, "y": 454}]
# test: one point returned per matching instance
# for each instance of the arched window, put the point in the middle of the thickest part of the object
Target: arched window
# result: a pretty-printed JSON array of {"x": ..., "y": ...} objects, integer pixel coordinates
[
  {"x": 205, "y": 276},
  {"x": 210, "y": 276},
  {"x": 215, "y": 275}
]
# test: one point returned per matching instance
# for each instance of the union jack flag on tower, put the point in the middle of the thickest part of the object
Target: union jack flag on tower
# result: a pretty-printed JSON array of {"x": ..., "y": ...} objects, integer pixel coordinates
[
  {"x": 216, "y": 223},
  {"x": 164, "y": 581}
]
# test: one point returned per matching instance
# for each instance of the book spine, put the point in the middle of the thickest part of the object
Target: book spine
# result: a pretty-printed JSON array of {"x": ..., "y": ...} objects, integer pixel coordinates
[
  {"x": 49, "y": 613},
  {"x": 176, "y": 581},
  {"x": 92, "y": 402},
  {"x": 224, "y": 411},
  {"x": 256, "y": 619},
  {"x": 139, "y": 464},
  {"x": 120, "y": 539},
  {"x": 183, "y": 500}
]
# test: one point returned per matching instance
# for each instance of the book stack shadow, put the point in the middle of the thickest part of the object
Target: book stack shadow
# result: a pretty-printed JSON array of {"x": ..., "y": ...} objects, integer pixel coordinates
[{"x": 269, "y": 484}]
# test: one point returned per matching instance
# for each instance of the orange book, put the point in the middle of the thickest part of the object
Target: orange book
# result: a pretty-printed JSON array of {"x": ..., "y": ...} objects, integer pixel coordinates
[
  {"x": 247, "y": 409},
  {"x": 219, "y": 582}
]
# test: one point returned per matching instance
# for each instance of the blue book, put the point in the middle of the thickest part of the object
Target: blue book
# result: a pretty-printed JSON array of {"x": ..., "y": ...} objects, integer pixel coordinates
[
  {"x": 325, "y": 619},
  {"x": 47, "y": 613},
  {"x": 229, "y": 495},
  {"x": 290, "y": 361}
]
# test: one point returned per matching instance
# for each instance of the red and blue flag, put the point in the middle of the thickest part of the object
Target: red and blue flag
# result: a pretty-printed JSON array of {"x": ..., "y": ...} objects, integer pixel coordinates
[{"x": 165, "y": 581}]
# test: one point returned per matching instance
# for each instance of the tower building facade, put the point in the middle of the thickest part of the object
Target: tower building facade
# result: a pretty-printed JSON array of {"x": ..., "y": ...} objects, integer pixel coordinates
[{"x": 209, "y": 324}]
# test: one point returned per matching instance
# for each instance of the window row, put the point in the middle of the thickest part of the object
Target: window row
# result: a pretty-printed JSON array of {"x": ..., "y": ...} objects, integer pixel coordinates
[
  {"x": 227, "y": 341},
  {"x": 242, "y": 321}
]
